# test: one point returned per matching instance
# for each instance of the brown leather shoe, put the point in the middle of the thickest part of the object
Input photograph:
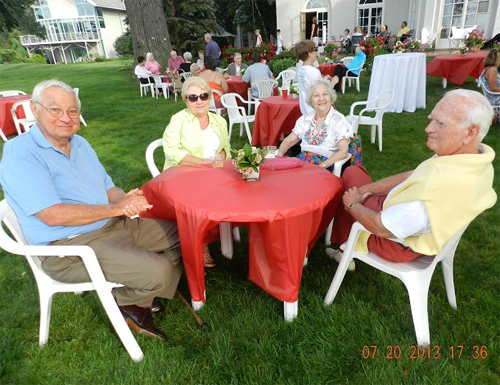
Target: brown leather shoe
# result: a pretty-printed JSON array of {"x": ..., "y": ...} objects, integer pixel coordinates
[
  {"x": 140, "y": 319},
  {"x": 156, "y": 307}
]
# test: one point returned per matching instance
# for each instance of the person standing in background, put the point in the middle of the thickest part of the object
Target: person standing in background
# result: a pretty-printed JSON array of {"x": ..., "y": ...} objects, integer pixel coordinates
[
  {"x": 259, "y": 38},
  {"x": 314, "y": 31},
  {"x": 279, "y": 42},
  {"x": 212, "y": 49}
]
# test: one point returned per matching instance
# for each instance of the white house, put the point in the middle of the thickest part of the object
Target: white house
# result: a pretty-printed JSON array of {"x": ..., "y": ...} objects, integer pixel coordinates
[
  {"x": 77, "y": 29},
  {"x": 294, "y": 17}
]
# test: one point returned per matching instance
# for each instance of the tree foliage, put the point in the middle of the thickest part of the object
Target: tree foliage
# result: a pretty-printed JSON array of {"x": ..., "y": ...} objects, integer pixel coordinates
[
  {"x": 123, "y": 45},
  {"x": 18, "y": 14},
  {"x": 188, "y": 21}
]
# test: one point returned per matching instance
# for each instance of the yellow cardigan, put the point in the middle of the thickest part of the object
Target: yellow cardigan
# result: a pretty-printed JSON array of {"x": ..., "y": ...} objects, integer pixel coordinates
[
  {"x": 183, "y": 136},
  {"x": 455, "y": 189}
]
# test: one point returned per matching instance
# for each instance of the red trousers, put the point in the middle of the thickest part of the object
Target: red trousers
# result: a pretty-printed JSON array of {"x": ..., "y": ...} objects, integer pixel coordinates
[{"x": 356, "y": 176}]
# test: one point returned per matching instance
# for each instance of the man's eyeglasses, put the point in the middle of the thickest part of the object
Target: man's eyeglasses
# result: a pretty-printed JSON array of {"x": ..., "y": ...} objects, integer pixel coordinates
[
  {"x": 193, "y": 97},
  {"x": 56, "y": 112},
  {"x": 315, "y": 49}
]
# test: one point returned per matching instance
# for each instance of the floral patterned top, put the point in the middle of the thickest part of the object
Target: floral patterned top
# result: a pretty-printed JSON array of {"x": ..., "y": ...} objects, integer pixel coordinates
[
  {"x": 322, "y": 140},
  {"x": 493, "y": 99}
]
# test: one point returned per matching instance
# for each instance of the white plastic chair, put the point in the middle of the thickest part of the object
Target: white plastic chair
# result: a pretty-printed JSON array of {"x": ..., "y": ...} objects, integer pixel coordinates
[
  {"x": 224, "y": 227},
  {"x": 160, "y": 85},
  {"x": 11, "y": 93},
  {"x": 286, "y": 76},
  {"x": 265, "y": 89},
  {"x": 381, "y": 102},
  {"x": 47, "y": 287},
  {"x": 346, "y": 60},
  {"x": 213, "y": 107},
  {"x": 144, "y": 88},
  {"x": 487, "y": 93},
  {"x": 237, "y": 114},
  {"x": 28, "y": 120},
  {"x": 416, "y": 275},
  {"x": 351, "y": 76},
  {"x": 77, "y": 91},
  {"x": 186, "y": 75}
]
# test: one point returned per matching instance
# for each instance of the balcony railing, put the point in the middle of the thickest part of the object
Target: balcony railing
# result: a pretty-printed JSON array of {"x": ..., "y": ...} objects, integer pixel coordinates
[{"x": 59, "y": 38}]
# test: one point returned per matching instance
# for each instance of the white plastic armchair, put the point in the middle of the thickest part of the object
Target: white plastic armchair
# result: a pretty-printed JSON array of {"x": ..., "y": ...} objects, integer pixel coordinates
[
  {"x": 213, "y": 107},
  {"x": 265, "y": 89},
  {"x": 28, "y": 120},
  {"x": 77, "y": 91},
  {"x": 47, "y": 286},
  {"x": 351, "y": 76},
  {"x": 11, "y": 93},
  {"x": 237, "y": 114},
  {"x": 161, "y": 85},
  {"x": 286, "y": 76},
  {"x": 185, "y": 75},
  {"x": 346, "y": 60},
  {"x": 457, "y": 35},
  {"x": 143, "y": 88},
  {"x": 381, "y": 102},
  {"x": 416, "y": 275},
  {"x": 489, "y": 94},
  {"x": 224, "y": 227}
]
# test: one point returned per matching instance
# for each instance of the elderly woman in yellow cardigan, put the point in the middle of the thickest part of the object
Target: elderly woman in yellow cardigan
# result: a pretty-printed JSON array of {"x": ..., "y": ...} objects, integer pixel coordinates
[
  {"x": 424, "y": 208},
  {"x": 195, "y": 135}
]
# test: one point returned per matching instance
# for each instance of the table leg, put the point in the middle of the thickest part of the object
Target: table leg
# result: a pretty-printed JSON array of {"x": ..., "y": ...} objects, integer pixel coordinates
[
  {"x": 197, "y": 305},
  {"x": 291, "y": 310},
  {"x": 226, "y": 239},
  {"x": 444, "y": 82}
]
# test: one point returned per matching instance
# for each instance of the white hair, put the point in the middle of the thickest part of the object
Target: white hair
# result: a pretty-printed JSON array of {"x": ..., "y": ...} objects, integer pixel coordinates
[
  {"x": 208, "y": 36},
  {"x": 187, "y": 56},
  {"x": 475, "y": 110},
  {"x": 310, "y": 87},
  {"x": 42, "y": 86},
  {"x": 148, "y": 56}
]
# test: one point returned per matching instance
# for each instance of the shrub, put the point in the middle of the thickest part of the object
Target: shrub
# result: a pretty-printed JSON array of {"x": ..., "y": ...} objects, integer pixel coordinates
[
  {"x": 281, "y": 65},
  {"x": 123, "y": 45},
  {"x": 7, "y": 55},
  {"x": 37, "y": 58}
]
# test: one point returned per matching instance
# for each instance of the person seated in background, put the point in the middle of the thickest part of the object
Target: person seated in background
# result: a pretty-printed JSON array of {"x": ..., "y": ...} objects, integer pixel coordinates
[
  {"x": 186, "y": 66},
  {"x": 195, "y": 135},
  {"x": 405, "y": 30},
  {"x": 65, "y": 197},
  {"x": 324, "y": 133},
  {"x": 490, "y": 77},
  {"x": 215, "y": 80},
  {"x": 356, "y": 38},
  {"x": 341, "y": 71},
  {"x": 257, "y": 71},
  {"x": 151, "y": 64},
  {"x": 346, "y": 40},
  {"x": 144, "y": 75},
  {"x": 306, "y": 51},
  {"x": 423, "y": 209},
  {"x": 200, "y": 61},
  {"x": 195, "y": 70},
  {"x": 384, "y": 34},
  {"x": 235, "y": 68},
  {"x": 175, "y": 61}
]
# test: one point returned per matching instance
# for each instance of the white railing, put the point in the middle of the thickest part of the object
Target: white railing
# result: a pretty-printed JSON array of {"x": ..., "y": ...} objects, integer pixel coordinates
[{"x": 59, "y": 37}]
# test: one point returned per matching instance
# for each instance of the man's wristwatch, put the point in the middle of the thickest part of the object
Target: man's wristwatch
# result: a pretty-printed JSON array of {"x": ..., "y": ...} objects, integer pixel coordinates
[{"x": 351, "y": 205}]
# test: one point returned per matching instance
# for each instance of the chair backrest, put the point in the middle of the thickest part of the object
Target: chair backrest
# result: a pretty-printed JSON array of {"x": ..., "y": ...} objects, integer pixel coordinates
[
  {"x": 346, "y": 60},
  {"x": 230, "y": 102},
  {"x": 383, "y": 100},
  {"x": 265, "y": 87},
  {"x": 488, "y": 94},
  {"x": 425, "y": 35},
  {"x": 286, "y": 77},
  {"x": 186, "y": 75},
  {"x": 460, "y": 33},
  {"x": 356, "y": 39},
  {"x": 150, "y": 159},
  {"x": 12, "y": 93},
  {"x": 213, "y": 107},
  {"x": 28, "y": 120}
]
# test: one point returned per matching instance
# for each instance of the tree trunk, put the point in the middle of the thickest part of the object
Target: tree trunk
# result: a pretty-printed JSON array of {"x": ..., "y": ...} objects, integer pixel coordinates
[{"x": 149, "y": 29}]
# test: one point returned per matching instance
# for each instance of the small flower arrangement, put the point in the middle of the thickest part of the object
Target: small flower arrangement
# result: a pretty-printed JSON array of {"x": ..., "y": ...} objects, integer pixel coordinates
[
  {"x": 413, "y": 45},
  {"x": 331, "y": 48},
  {"x": 247, "y": 160},
  {"x": 475, "y": 38},
  {"x": 293, "y": 89},
  {"x": 399, "y": 47},
  {"x": 372, "y": 42}
]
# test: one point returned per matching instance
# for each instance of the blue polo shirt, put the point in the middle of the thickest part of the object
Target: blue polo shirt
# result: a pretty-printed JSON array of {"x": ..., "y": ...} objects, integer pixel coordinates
[{"x": 35, "y": 175}]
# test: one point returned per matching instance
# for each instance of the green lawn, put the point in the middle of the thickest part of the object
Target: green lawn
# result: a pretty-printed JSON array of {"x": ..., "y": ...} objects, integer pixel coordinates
[{"x": 248, "y": 342}]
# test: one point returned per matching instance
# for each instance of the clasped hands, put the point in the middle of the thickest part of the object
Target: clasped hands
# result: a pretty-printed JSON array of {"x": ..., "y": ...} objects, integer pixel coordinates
[
  {"x": 133, "y": 203},
  {"x": 354, "y": 195}
]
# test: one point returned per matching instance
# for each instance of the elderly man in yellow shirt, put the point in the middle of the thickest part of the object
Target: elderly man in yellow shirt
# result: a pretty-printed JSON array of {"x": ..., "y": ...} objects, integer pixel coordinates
[
  {"x": 405, "y": 30},
  {"x": 424, "y": 208}
]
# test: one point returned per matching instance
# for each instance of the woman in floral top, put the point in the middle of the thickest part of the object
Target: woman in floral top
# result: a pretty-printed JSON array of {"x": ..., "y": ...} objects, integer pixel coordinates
[{"x": 323, "y": 134}]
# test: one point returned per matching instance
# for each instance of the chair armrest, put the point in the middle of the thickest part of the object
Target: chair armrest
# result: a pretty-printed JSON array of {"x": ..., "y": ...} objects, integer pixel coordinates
[{"x": 356, "y": 104}]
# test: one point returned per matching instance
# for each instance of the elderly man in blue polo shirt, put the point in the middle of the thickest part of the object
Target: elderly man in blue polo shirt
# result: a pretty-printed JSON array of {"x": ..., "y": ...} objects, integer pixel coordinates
[{"x": 62, "y": 195}]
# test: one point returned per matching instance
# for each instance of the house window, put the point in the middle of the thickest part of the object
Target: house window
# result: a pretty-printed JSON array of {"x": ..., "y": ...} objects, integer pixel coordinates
[
  {"x": 464, "y": 14},
  {"x": 42, "y": 10},
  {"x": 317, "y": 4},
  {"x": 84, "y": 8},
  {"x": 370, "y": 16},
  {"x": 100, "y": 17}
]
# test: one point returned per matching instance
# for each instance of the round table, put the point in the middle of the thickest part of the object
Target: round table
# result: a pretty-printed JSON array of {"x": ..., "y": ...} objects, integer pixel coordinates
[
  {"x": 235, "y": 84},
  {"x": 327, "y": 69},
  {"x": 274, "y": 117},
  {"x": 456, "y": 68},
  {"x": 284, "y": 220}
]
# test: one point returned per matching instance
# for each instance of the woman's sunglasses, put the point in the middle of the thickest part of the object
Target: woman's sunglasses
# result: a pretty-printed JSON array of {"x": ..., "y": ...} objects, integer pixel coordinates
[{"x": 194, "y": 98}]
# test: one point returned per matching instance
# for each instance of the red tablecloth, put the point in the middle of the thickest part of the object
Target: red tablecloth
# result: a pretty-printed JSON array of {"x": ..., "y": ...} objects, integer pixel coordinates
[
  {"x": 235, "y": 84},
  {"x": 6, "y": 122},
  {"x": 275, "y": 116},
  {"x": 286, "y": 212},
  {"x": 456, "y": 68},
  {"x": 327, "y": 69}
]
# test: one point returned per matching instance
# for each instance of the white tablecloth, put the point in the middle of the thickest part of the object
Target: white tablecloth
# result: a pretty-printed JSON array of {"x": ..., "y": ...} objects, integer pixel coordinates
[{"x": 405, "y": 74}]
